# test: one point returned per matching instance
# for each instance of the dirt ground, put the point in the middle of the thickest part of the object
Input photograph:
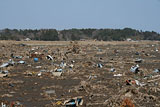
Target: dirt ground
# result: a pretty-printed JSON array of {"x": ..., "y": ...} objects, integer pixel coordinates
[{"x": 88, "y": 73}]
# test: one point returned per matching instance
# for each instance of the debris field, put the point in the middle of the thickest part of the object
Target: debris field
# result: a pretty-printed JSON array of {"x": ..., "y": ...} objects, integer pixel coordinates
[{"x": 79, "y": 74}]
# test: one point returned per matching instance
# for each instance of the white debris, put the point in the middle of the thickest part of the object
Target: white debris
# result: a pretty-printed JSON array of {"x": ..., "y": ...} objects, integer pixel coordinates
[{"x": 117, "y": 75}]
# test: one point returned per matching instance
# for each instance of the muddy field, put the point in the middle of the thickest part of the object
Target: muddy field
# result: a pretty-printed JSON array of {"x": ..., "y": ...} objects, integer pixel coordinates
[{"x": 47, "y": 74}]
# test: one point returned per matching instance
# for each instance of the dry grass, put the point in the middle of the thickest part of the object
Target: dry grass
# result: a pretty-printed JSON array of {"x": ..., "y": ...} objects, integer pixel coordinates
[{"x": 79, "y": 42}]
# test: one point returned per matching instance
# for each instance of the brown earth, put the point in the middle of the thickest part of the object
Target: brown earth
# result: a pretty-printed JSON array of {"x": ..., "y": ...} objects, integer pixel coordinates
[{"x": 98, "y": 87}]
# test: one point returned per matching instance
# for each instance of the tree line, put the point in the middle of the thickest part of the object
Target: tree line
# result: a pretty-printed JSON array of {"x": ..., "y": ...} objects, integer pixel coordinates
[{"x": 78, "y": 34}]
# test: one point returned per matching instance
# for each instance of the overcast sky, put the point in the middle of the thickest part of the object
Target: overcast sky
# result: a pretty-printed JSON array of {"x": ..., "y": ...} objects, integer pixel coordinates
[{"x": 66, "y": 14}]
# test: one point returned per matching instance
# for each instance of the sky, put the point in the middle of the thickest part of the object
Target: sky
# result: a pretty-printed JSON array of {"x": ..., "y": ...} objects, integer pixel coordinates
[{"x": 66, "y": 14}]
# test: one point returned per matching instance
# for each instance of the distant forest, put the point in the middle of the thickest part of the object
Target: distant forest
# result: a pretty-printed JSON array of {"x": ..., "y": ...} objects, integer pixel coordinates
[{"x": 78, "y": 34}]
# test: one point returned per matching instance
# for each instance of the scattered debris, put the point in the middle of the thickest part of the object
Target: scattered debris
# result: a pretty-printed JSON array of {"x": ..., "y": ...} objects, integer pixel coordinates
[
  {"x": 127, "y": 103},
  {"x": 35, "y": 59},
  {"x": 138, "y": 60},
  {"x": 3, "y": 75},
  {"x": 49, "y": 57},
  {"x": 63, "y": 65},
  {"x": 113, "y": 70},
  {"x": 57, "y": 72},
  {"x": 75, "y": 102},
  {"x": 38, "y": 67},
  {"x": 99, "y": 65},
  {"x": 117, "y": 75},
  {"x": 39, "y": 74},
  {"x": 157, "y": 71},
  {"x": 137, "y": 53},
  {"x": 135, "y": 69},
  {"x": 21, "y": 62},
  {"x": 7, "y": 64},
  {"x": 49, "y": 73}
]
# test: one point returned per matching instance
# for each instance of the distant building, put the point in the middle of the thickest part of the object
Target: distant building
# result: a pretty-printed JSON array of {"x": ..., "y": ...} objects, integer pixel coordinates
[
  {"x": 27, "y": 39},
  {"x": 129, "y": 39}
]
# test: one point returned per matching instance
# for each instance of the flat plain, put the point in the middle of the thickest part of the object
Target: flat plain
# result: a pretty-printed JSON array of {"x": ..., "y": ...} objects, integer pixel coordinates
[{"x": 87, "y": 72}]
